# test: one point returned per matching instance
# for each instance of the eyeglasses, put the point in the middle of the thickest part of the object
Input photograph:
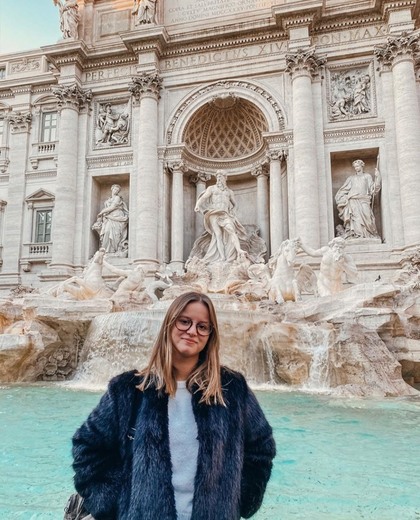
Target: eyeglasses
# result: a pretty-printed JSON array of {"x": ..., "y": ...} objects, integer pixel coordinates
[{"x": 184, "y": 324}]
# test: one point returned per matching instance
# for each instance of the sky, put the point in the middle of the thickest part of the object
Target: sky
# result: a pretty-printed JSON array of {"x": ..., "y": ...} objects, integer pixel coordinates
[{"x": 28, "y": 24}]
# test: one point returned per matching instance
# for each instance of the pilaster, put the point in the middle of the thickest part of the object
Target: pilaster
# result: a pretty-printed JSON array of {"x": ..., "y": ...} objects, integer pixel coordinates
[{"x": 20, "y": 126}]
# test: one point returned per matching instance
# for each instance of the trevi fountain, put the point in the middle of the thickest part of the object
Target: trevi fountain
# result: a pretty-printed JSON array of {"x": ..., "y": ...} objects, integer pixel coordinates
[{"x": 282, "y": 323}]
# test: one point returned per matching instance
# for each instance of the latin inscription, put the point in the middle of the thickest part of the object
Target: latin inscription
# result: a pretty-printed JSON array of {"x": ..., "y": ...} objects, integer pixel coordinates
[
  {"x": 361, "y": 33},
  {"x": 179, "y": 11},
  {"x": 207, "y": 58},
  {"x": 124, "y": 71}
]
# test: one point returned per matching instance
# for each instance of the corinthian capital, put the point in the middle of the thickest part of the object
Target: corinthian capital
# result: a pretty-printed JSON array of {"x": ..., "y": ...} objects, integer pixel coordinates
[
  {"x": 72, "y": 96},
  {"x": 147, "y": 84},
  {"x": 260, "y": 171},
  {"x": 178, "y": 166},
  {"x": 304, "y": 62},
  {"x": 19, "y": 122},
  {"x": 397, "y": 47},
  {"x": 276, "y": 155}
]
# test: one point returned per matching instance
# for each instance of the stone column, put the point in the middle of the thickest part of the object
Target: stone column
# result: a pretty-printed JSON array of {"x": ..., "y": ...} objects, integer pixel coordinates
[
  {"x": 303, "y": 65},
  {"x": 262, "y": 203},
  {"x": 20, "y": 125},
  {"x": 71, "y": 98},
  {"x": 276, "y": 199},
  {"x": 146, "y": 88},
  {"x": 392, "y": 223},
  {"x": 399, "y": 52},
  {"x": 200, "y": 181},
  {"x": 177, "y": 216}
]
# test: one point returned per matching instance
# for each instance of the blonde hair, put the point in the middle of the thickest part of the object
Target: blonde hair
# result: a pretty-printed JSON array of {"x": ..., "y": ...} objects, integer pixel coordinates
[{"x": 206, "y": 375}]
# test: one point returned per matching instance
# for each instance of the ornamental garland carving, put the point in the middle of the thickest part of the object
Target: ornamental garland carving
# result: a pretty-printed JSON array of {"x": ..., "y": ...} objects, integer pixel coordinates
[
  {"x": 397, "y": 47},
  {"x": 146, "y": 84},
  {"x": 351, "y": 93},
  {"x": 304, "y": 62},
  {"x": 72, "y": 96}
]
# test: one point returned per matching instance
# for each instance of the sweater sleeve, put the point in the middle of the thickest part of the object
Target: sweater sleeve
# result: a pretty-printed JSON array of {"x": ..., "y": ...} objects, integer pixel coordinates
[
  {"x": 97, "y": 461},
  {"x": 260, "y": 451}
]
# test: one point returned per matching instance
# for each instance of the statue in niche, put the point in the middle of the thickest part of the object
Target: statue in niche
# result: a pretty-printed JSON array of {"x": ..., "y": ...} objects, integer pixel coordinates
[
  {"x": 144, "y": 11},
  {"x": 114, "y": 127},
  {"x": 112, "y": 223},
  {"x": 350, "y": 94},
  {"x": 224, "y": 238},
  {"x": 69, "y": 17},
  {"x": 355, "y": 201},
  {"x": 335, "y": 264},
  {"x": 285, "y": 284}
]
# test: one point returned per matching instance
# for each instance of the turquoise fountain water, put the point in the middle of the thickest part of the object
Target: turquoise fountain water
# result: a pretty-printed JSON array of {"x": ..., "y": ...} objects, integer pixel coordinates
[{"x": 337, "y": 459}]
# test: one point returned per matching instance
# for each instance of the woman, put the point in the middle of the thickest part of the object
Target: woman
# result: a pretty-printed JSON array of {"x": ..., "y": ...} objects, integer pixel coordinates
[{"x": 200, "y": 448}]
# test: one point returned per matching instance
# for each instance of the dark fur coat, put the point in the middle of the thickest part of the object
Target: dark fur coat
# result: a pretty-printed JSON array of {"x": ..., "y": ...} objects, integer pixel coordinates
[{"x": 124, "y": 479}]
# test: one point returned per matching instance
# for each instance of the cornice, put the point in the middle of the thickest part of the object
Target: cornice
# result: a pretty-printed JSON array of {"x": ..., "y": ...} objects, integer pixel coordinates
[
  {"x": 347, "y": 23},
  {"x": 64, "y": 53},
  {"x": 36, "y": 174},
  {"x": 355, "y": 133},
  {"x": 21, "y": 89},
  {"x": 6, "y": 93},
  {"x": 109, "y": 161},
  {"x": 110, "y": 61},
  {"x": 145, "y": 39}
]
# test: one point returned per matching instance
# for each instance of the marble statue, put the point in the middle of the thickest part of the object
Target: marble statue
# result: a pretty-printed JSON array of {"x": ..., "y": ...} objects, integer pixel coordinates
[
  {"x": 162, "y": 284},
  {"x": 69, "y": 18},
  {"x": 335, "y": 264},
  {"x": 224, "y": 238},
  {"x": 285, "y": 284},
  {"x": 111, "y": 224},
  {"x": 144, "y": 11},
  {"x": 89, "y": 286},
  {"x": 355, "y": 201},
  {"x": 409, "y": 275},
  {"x": 114, "y": 128},
  {"x": 131, "y": 283}
]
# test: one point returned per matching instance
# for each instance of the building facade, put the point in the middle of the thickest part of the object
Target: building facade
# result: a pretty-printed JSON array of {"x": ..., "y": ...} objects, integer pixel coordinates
[{"x": 141, "y": 103}]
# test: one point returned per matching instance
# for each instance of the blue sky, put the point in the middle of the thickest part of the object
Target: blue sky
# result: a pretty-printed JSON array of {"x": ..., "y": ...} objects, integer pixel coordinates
[{"x": 28, "y": 24}]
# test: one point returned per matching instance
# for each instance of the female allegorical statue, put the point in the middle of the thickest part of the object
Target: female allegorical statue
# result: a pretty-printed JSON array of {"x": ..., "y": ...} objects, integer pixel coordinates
[{"x": 112, "y": 223}]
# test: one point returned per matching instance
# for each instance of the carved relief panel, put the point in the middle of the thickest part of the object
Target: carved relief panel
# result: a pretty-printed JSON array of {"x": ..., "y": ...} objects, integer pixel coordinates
[
  {"x": 112, "y": 126},
  {"x": 351, "y": 92}
]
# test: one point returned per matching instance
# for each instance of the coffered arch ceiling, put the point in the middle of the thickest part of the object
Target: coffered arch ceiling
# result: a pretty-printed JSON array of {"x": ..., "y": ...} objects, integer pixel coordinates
[{"x": 226, "y": 128}]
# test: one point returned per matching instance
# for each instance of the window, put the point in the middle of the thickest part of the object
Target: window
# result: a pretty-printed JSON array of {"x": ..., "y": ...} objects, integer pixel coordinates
[
  {"x": 43, "y": 226},
  {"x": 49, "y": 127},
  {"x": 2, "y": 73}
]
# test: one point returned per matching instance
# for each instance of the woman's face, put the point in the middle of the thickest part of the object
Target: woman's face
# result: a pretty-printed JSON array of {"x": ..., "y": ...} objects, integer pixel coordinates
[{"x": 187, "y": 345}]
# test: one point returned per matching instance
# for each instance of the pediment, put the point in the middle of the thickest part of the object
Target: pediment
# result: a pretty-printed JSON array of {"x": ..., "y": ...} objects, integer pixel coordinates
[{"x": 40, "y": 196}]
